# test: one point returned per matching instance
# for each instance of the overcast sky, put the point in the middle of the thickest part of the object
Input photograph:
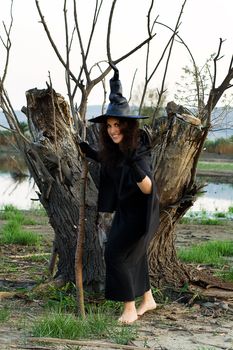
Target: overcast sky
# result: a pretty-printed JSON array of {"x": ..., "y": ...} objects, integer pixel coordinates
[{"x": 203, "y": 23}]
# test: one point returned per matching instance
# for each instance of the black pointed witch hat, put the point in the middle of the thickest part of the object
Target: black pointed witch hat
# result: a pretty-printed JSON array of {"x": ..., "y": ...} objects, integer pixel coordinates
[{"x": 118, "y": 106}]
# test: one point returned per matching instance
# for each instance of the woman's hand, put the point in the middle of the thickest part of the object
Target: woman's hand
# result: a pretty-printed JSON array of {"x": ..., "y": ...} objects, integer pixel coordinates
[{"x": 88, "y": 151}]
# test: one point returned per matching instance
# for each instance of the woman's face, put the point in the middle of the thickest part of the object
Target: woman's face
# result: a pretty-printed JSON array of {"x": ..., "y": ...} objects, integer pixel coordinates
[{"x": 114, "y": 131}]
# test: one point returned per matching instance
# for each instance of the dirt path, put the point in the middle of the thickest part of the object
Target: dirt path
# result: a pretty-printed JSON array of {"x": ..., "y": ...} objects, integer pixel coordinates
[
  {"x": 184, "y": 325},
  {"x": 170, "y": 327}
]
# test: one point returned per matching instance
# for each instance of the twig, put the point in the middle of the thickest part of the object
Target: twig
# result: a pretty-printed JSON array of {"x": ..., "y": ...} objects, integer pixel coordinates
[
  {"x": 168, "y": 60},
  {"x": 32, "y": 347},
  {"x": 84, "y": 61},
  {"x": 108, "y": 41},
  {"x": 105, "y": 91},
  {"x": 147, "y": 79},
  {"x": 149, "y": 28},
  {"x": 85, "y": 343},
  {"x": 134, "y": 50},
  {"x": 68, "y": 49},
  {"x": 9, "y": 129},
  {"x": 109, "y": 30},
  {"x": 10, "y": 115},
  {"x": 52, "y": 42},
  {"x": 216, "y": 58},
  {"x": 7, "y": 45},
  {"x": 216, "y": 92},
  {"x": 197, "y": 74},
  {"x": 131, "y": 88}
]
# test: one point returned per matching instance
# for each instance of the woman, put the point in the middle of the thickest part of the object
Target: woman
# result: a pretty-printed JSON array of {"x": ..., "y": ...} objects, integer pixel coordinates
[{"x": 126, "y": 187}]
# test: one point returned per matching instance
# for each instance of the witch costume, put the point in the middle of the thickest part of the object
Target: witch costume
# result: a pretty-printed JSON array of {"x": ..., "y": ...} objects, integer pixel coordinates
[{"x": 136, "y": 215}]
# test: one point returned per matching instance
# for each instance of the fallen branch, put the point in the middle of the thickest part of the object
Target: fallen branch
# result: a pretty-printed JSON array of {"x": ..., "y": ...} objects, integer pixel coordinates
[
  {"x": 85, "y": 343},
  {"x": 32, "y": 347}
]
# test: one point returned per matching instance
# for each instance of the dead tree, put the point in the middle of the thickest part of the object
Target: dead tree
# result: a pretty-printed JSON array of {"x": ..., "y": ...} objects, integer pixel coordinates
[
  {"x": 54, "y": 161},
  {"x": 178, "y": 142},
  {"x": 52, "y": 154}
]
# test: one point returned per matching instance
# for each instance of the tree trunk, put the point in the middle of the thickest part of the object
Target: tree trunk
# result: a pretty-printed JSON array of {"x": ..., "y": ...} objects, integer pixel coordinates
[
  {"x": 177, "y": 145},
  {"x": 55, "y": 165}
]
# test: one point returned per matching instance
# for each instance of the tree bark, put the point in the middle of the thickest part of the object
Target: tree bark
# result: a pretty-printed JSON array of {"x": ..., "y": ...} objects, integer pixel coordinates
[
  {"x": 177, "y": 144},
  {"x": 55, "y": 165}
]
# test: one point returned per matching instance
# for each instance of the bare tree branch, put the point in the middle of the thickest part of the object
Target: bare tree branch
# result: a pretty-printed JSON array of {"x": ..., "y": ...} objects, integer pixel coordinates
[
  {"x": 147, "y": 80},
  {"x": 9, "y": 129},
  {"x": 94, "y": 22},
  {"x": 215, "y": 62},
  {"x": 68, "y": 48},
  {"x": 10, "y": 115},
  {"x": 167, "y": 61},
  {"x": 216, "y": 93},
  {"x": 53, "y": 43},
  {"x": 149, "y": 27},
  {"x": 131, "y": 88},
  {"x": 197, "y": 74},
  {"x": 7, "y": 44},
  {"x": 231, "y": 64},
  {"x": 105, "y": 91},
  {"x": 108, "y": 40},
  {"x": 84, "y": 61},
  {"x": 109, "y": 30}
]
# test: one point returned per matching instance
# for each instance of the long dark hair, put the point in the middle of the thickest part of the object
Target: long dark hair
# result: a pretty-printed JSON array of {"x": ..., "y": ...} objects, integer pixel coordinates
[{"x": 112, "y": 153}]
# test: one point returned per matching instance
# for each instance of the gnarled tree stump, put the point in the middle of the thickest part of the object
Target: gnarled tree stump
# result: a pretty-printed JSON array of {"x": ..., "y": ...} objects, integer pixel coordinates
[{"x": 55, "y": 165}]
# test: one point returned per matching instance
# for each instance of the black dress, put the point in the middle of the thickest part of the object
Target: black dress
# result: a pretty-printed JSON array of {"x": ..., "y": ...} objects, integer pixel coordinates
[{"x": 127, "y": 274}]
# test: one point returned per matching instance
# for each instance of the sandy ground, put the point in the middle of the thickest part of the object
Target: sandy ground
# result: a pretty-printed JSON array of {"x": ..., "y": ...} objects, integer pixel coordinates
[{"x": 190, "y": 325}]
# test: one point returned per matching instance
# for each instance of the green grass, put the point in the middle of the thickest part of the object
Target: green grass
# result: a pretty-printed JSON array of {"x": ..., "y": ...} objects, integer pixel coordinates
[
  {"x": 226, "y": 275},
  {"x": 96, "y": 325},
  {"x": 12, "y": 213},
  {"x": 39, "y": 211},
  {"x": 12, "y": 233},
  {"x": 207, "y": 253},
  {"x": 43, "y": 257},
  {"x": 201, "y": 220},
  {"x": 59, "y": 301},
  {"x": 64, "y": 300},
  {"x": 220, "y": 214},
  {"x": 8, "y": 266},
  {"x": 210, "y": 221},
  {"x": 230, "y": 210},
  {"x": 4, "y": 314},
  {"x": 215, "y": 166},
  {"x": 100, "y": 322}
]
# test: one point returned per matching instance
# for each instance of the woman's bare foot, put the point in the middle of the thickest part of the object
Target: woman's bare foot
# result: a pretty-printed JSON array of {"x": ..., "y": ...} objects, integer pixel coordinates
[
  {"x": 148, "y": 303},
  {"x": 129, "y": 314}
]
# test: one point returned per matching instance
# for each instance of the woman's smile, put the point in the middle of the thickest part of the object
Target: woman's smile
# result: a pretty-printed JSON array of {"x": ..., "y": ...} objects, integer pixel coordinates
[{"x": 114, "y": 131}]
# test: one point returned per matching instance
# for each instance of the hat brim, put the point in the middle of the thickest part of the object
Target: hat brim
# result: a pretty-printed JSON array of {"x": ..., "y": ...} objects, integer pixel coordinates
[{"x": 102, "y": 118}]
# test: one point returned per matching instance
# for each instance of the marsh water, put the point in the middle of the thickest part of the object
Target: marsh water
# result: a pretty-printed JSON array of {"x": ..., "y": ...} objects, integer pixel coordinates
[{"x": 20, "y": 191}]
